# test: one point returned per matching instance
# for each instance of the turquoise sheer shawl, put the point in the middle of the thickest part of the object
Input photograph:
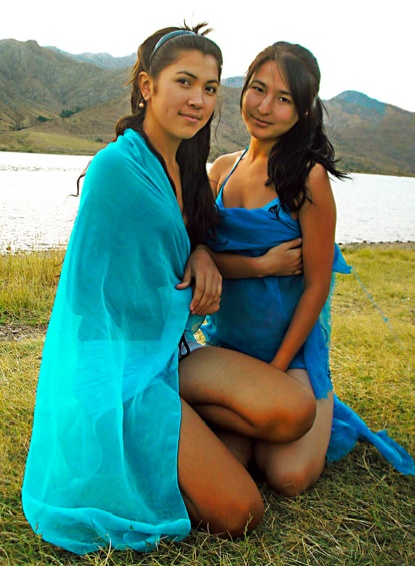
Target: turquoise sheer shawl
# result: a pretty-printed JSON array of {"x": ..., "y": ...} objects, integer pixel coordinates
[{"x": 102, "y": 464}]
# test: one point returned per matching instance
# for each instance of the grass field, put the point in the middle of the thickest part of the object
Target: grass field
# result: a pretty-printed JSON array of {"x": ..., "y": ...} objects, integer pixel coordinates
[
  {"x": 361, "y": 512},
  {"x": 32, "y": 141}
]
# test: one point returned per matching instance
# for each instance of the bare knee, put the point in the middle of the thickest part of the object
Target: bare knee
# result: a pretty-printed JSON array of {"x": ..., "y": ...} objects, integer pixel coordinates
[
  {"x": 292, "y": 480},
  {"x": 301, "y": 421},
  {"x": 238, "y": 516},
  {"x": 295, "y": 423},
  {"x": 243, "y": 515}
]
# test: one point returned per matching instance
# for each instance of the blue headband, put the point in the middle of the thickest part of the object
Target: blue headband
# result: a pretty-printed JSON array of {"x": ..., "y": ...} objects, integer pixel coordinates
[{"x": 170, "y": 35}]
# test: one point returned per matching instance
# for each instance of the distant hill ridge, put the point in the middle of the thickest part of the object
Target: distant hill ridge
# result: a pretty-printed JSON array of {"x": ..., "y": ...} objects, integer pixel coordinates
[
  {"x": 103, "y": 60},
  {"x": 56, "y": 102},
  {"x": 234, "y": 82}
]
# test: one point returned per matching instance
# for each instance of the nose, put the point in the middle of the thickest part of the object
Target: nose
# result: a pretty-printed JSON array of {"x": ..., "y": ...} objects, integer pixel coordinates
[
  {"x": 196, "y": 98},
  {"x": 265, "y": 106}
]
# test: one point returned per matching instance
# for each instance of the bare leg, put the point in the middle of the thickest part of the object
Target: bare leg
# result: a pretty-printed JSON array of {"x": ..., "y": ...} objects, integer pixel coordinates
[
  {"x": 219, "y": 493},
  {"x": 241, "y": 447},
  {"x": 238, "y": 393},
  {"x": 292, "y": 468}
]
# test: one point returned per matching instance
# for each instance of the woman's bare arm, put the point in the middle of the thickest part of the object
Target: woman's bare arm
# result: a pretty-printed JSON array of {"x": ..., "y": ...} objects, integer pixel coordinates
[{"x": 318, "y": 222}]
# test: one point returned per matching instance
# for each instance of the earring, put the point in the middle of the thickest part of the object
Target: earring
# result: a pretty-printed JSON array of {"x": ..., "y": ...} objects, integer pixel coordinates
[{"x": 142, "y": 104}]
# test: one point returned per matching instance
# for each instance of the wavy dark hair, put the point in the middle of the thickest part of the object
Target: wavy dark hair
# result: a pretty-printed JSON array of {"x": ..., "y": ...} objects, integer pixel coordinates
[
  {"x": 192, "y": 155},
  {"x": 296, "y": 152}
]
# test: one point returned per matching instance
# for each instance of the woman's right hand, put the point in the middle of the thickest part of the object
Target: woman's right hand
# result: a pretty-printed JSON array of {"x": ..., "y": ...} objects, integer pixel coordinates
[
  {"x": 203, "y": 276},
  {"x": 285, "y": 259}
]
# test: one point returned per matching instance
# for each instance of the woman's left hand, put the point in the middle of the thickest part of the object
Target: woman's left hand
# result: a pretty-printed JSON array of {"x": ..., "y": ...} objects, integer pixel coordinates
[{"x": 202, "y": 273}]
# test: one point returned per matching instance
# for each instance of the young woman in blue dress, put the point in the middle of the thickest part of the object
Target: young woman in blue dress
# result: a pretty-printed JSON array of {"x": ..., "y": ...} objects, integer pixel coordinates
[{"x": 276, "y": 193}]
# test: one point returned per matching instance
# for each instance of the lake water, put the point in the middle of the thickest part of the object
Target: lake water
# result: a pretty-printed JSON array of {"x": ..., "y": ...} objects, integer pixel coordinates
[{"x": 36, "y": 211}]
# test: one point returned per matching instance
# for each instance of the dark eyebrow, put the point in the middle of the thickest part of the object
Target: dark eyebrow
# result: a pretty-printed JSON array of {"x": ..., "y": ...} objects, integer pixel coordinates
[
  {"x": 192, "y": 76},
  {"x": 264, "y": 85},
  {"x": 258, "y": 81}
]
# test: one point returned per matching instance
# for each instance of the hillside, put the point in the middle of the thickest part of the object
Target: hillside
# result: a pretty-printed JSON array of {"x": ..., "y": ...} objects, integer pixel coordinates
[
  {"x": 34, "y": 76},
  {"x": 371, "y": 136},
  {"x": 103, "y": 60},
  {"x": 55, "y": 102}
]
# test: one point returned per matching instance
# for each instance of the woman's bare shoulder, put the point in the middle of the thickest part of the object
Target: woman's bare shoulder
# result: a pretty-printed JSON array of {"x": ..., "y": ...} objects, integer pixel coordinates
[
  {"x": 318, "y": 174},
  {"x": 221, "y": 167},
  {"x": 318, "y": 182}
]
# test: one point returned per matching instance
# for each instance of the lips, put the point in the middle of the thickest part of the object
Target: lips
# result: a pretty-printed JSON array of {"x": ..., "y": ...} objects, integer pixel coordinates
[
  {"x": 194, "y": 117},
  {"x": 260, "y": 121}
]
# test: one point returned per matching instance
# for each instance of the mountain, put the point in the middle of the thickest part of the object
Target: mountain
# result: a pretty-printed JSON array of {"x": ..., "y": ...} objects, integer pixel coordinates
[
  {"x": 55, "y": 102},
  {"x": 103, "y": 60},
  {"x": 234, "y": 82},
  {"x": 34, "y": 79},
  {"x": 371, "y": 136}
]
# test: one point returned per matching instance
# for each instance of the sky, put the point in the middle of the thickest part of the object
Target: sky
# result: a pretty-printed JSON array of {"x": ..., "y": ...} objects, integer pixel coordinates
[{"x": 362, "y": 45}]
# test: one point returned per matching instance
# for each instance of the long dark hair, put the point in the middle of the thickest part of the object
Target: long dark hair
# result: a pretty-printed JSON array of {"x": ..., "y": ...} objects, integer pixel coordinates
[
  {"x": 296, "y": 152},
  {"x": 198, "y": 203},
  {"x": 192, "y": 155}
]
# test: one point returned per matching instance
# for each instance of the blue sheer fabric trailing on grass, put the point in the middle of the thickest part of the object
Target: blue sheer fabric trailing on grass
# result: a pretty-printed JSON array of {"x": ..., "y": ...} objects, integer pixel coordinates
[
  {"x": 348, "y": 428},
  {"x": 256, "y": 312},
  {"x": 102, "y": 464}
]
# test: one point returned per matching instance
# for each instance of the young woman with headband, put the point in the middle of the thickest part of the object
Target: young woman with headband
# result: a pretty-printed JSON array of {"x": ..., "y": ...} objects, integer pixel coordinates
[{"x": 116, "y": 457}]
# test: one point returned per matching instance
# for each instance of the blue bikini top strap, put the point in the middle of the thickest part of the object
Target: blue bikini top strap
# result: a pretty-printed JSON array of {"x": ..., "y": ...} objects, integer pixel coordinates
[{"x": 232, "y": 170}]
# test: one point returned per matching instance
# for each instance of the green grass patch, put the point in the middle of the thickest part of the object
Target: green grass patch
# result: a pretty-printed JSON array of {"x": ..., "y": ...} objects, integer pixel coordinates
[
  {"x": 33, "y": 141},
  {"x": 27, "y": 286},
  {"x": 361, "y": 512}
]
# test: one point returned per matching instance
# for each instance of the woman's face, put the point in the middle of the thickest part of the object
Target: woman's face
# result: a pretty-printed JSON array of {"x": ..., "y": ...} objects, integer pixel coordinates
[
  {"x": 268, "y": 109},
  {"x": 183, "y": 97}
]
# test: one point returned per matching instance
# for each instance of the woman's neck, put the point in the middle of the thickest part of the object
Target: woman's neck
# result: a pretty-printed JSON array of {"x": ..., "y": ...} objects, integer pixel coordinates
[
  {"x": 258, "y": 150},
  {"x": 167, "y": 148},
  {"x": 166, "y": 153}
]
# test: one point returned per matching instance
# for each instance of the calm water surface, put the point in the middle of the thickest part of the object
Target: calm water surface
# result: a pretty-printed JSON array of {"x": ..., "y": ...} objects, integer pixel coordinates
[
  {"x": 36, "y": 210},
  {"x": 35, "y": 207}
]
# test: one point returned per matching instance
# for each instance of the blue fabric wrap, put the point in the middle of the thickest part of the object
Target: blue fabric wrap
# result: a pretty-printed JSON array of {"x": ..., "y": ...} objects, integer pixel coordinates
[
  {"x": 255, "y": 313},
  {"x": 102, "y": 464}
]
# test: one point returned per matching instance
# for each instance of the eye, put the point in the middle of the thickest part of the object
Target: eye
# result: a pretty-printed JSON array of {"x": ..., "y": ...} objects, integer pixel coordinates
[
  {"x": 211, "y": 89},
  {"x": 184, "y": 81},
  {"x": 284, "y": 99},
  {"x": 257, "y": 88}
]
